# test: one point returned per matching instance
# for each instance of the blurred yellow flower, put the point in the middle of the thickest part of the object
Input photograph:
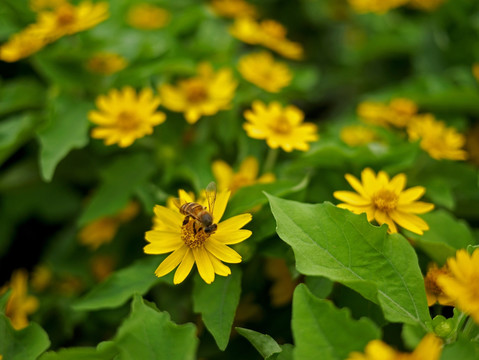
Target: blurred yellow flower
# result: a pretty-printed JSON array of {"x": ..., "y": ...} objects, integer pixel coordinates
[
  {"x": 261, "y": 70},
  {"x": 147, "y": 17},
  {"x": 19, "y": 304},
  {"x": 462, "y": 284},
  {"x": 234, "y": 8},
  {"x": 68, "y": 19},
  {"x": 190, "y": 245},
  {"x": 41, "y": 278},
  {"x": 374, "y": 113},
  {"x": 438, "y": 140},
  {"x": 103, "y": 230},
  {"x": 125, "y": 116},
  {"x": 428, "y": 5},
  {"x": 357, "y": 135},
  {"x": 386, "y": 201},
  {"x": 205, "y": 94},
  {"x": 429, "y": 348},
  {"x": 434, "y": 292},
  {"x": 102, "y": 266},
  {"x": 247, "y": 175},
  {"x": 106, "y": 63},
  {"x": 401, "y": 111},
  {"x": 268, "y": 33},
  {"x": 280, "y": 127},
  {"x": 375, "y": 6},
  {"x": 40, "y": 5},
  {"x": 475, "y": 71},
  {"x": 22, "y": 44},
  {"x": 282, "y": 290},
  {"x": 472, "y": 144}
]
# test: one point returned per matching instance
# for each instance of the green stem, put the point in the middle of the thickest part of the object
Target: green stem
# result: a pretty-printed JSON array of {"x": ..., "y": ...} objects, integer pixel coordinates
[
  {"x": 460, "y": 321},
  {"x": 270, "y": 160},
  {"x": 468, "y": 327}
]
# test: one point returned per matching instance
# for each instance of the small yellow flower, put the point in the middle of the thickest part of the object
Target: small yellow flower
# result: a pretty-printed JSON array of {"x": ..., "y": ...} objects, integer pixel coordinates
[
  {"x": 434, "y": 292},
  {"x": 279, "y": 127},
  {"x": 103, "y": 230},
  {"x": 19, "y": 304},
  {"x": 40, "y": 5},
  {"x": 148, "y": 17},
  {"x": 374, "y": 113},
  {"x": 438, "y": 140},
  {"x": 22, "y": 44},
  {"x": 261, "y": 70},
  {"x": 427, "y": 5},
  {"x": 234, "y": 8},
  {"x": 125, "y": 116},
  {"x": 475, "y": 71},
  {"x": 357, "y": 135},
  {"x": 41, "y": 278},
  {"x": 205, "y": 94},
  {"x": 375, "y": 6},
  {"x": 106, "y": 63},
  {"x": 227, "y": 179},
  {"x": 429, "y": 348},
  {"x": 68, "y": 19},
  {"x": 282, "y": 290},
  {"x": 402, "y": 111},
  {"x": 386, "y": 201},
  {"x": 190, "y": 245},
  {"x": 462, "y": 284}
]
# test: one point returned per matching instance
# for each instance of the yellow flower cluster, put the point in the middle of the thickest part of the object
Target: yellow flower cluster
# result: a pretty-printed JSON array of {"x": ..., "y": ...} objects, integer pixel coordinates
[
  {"x": 145, "y": 16},
  {"x": 64, "y": 19},
  {"x": 234, "y": 8},
  {"x": 398, "y": 112},
  {"x": 268, "y": 33}
]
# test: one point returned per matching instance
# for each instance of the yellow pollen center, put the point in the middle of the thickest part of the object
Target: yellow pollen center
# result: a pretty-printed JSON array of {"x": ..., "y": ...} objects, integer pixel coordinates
[
  {"x": 385, "y": 200},
  {"x": 281, "y": 125},
  {"x": 127, "y": 121},
  {"x": 192, "y": 239},
  {"x": 65, "y": 15},
  {"x": 196, "y": 93}
]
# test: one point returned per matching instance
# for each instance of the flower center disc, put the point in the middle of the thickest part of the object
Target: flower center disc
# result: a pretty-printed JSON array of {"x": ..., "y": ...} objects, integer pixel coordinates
[
  {"x": 385, "y": 200},
  {"x": 65, "y": 15},
  {"x": 196, "y": 92},
  {"x": 281, "y": 125},
  {"x": 127, "y": 121},
  {"x": 192, "y": 239}
]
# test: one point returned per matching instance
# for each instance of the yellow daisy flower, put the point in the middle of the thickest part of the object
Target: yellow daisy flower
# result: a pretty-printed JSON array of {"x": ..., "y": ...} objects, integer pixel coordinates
[
  {"x": 68, "y": 19},
  {"x": 247, "y": 175},
  {"x": 386, "y": 201},
  {"x": 279, "y": 127},
  {"x": 357, "y": 135},
  {"x": 125, "y": 116},
  {"x": 461, "y": 284},
  {"x": 190, "y": 245},
  {"x": 374, "y": 113},
  {"x": 429, "y": 348},
  {"x": 427, "y": 5},
  {"x": 247, "y": 30},
  {"x": 19, "y": 304},
  {"x": 148, "y": 17},
  {"x": 106, "y": 63},
  {"x": 438, "y": 140},
  {"x": 22, "y": 44},
  {"x": 261, "y": 70},
  {"x": 434, "y": 292},
  {"x": 375, "y": 6},
  {"x": 402, "y": 111},
  {"x": 103, "y": 230},
  {"x": 40, "y": 5},
  {"x": 205, "y": 94},
  {"x": 475, "y": 71},
  {"x": 234, "y": 8}
]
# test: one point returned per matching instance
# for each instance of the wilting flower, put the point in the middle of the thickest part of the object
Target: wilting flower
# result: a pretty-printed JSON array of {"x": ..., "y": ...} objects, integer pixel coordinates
[
  {"x": 205, "y": 94},
  {"x": 402, "y": 111},
  {"x": 376, "y": 6},
  {"x": 40, "y": 5},
  {"x": 125, "y": 116},
  {"x": 106, "y": 63},
  {"x": 261, "y": 70},
  {"x": 438, "y": 140},
  {"x": 461, "y": 283},
  {"x": 103, "y": 230},
  {"x": 280, "y": 127},
  {"x": 247, "y": 175},
  {"x": 386, "y": 201},
  {"x": 233, "y": 8},
  {"x": 190, "y": 244},
  {"x": 357, "y": 135},
  {"x": 428, "y": 5},
  {"x": 148, "y": 17},
  {"x": 434, "y": 292},
  {"x": 429, "y": 348},
  {"x": 282, "y": 290},
  {"x": 22, "y": 44},
  {"x": 19, "y": 304}
]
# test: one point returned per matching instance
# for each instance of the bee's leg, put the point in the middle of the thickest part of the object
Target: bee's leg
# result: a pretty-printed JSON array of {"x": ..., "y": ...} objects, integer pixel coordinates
[
  {"x": 194, "y": 228},
  {"x": 185, "y": 221}
]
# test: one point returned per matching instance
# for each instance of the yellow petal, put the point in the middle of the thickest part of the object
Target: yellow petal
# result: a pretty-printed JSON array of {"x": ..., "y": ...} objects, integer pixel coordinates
[
  {"x": 220, "y": 205},
  {"x": 234, "y": 223},
  {"x": 171, "y": 261},
  {"x": 356, "y": 185},
  {"x": 368, "y": 179},
  {"x": 411, "y": 194},
  {"x": 231, "y": 237},
  {"x": 417, "y": 207},
  {"x": 351, "y": 198},
  {"x": 220, "y": 268},
  {"x": 249, "y": 167},
  {"x": 185, "y": 267},
  {"x": 162, "y": 242},
  {"x": 223, "y": 174},
  {"x": 222, "y": 252},
  {"x": 204, "y": 265},
  {"x": 383, "y": 218},
  {"x": 409, "y": 221},
  {"x": 169, "y": 218},
  {"x": 398, "y": 183}
]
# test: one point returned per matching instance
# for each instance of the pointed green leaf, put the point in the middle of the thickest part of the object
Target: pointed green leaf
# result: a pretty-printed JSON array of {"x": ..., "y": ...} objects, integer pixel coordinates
[
  {"x": 322, "y": 331},
  {"x": 461, "y": 349},
  {"x": 332, "y": 242},
  {"x": 27, "y": 343},
  {"x": 101, "y": 352},
  {"x": 137, "y": 278},
  {"x": 217, "y": 304},
  {"x": 66, "y": 129},
  {"x": 21, "y": 94},
  {"x": 265, "y": 344},
  {"x": 149, "y": 334}
]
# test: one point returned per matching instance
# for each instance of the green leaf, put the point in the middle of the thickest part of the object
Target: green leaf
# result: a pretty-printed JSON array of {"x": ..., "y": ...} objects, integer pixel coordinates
[
  {"x": 265, "y": 344},
  {"x": 83, "y": 353},
  {"x": 446, "y": 235},
  {"x": 217, "y": 303},
  {"x": 67, "y": 129},
  {"x": 121, "y": 285},
  {"x": 321, "y": 331},
  {"x": 332, "y": 242},
  {"x": 21, "y": 94},
  {"x": 4, "y": 300},
  {"x": 120, "y": 180},
  {"x": 462, "y": 349},
  {"x": 149, "y": 334},
  {"x": 27, "y": 343}
]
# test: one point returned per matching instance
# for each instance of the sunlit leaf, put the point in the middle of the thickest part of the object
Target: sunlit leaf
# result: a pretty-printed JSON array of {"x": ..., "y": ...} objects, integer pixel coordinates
[{"x": 265, "y": 344}]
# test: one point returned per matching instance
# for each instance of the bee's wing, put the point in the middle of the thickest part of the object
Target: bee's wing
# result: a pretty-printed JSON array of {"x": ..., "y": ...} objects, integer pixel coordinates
[
  {"x": 177, "y": 202},
  {"x": 210, "y": 192}
]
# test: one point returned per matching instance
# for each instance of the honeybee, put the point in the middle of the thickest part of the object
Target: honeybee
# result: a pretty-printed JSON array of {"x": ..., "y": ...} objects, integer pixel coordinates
[{"x": 203, "y": 217}]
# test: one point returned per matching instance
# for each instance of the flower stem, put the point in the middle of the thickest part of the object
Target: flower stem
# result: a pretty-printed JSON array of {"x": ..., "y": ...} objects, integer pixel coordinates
[{"x": 270, "y": 160}]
